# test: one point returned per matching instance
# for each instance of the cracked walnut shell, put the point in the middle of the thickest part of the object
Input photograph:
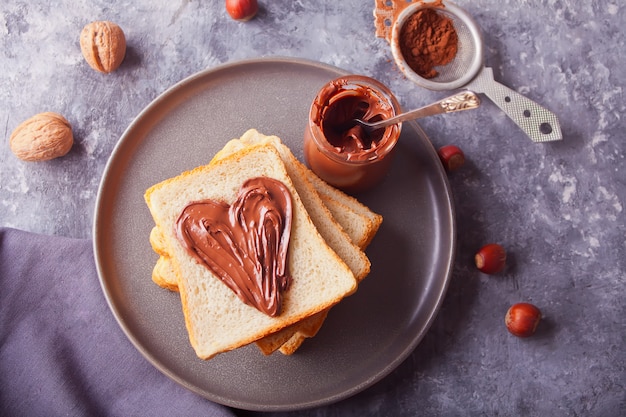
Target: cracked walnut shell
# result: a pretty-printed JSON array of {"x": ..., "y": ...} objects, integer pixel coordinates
[
  {"x": 103, "y": 45},
  {"x": 42, "y": 137}
]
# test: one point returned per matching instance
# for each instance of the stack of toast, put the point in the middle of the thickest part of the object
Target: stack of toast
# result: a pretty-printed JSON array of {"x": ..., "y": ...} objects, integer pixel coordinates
[{"x": 329, "y": 233}]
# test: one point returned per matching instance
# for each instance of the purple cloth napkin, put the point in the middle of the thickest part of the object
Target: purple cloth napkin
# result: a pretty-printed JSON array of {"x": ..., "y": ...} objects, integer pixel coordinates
[{"x": 61, "y": 350}]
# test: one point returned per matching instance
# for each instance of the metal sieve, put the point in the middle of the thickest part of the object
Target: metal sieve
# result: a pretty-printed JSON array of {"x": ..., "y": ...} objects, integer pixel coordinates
[{"x": 467, "y": 70}]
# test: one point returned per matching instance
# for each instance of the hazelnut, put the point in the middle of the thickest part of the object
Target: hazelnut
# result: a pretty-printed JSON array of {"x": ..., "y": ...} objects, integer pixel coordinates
[
  {"x": 103, "y": 45},
  {"x": 242, "y": 10},
  {"x": 490, "y": 259},
  {"x": 42, "y": 137},
  {"x": 522, "y": 319},
  {"x": 452, "y": 157}
]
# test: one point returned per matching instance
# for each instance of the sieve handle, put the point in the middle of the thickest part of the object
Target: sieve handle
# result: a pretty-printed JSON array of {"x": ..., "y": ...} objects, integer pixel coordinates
[{"x": 540, "y": 124}]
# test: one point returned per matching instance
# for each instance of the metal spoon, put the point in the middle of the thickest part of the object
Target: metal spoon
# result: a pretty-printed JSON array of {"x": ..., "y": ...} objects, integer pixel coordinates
[{"x": 465, "y": 100}]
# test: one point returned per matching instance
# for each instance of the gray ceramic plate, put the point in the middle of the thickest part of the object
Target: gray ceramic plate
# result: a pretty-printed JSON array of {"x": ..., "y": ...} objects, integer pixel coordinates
[{"x": 366, "y": 336}]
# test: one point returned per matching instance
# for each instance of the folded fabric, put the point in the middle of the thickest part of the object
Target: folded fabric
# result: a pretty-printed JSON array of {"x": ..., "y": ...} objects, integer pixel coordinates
[{"x": 61, "y": 350}]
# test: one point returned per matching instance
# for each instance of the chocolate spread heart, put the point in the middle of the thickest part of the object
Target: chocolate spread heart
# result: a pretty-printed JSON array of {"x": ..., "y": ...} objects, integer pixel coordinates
[{"x": 245, "y": 244}]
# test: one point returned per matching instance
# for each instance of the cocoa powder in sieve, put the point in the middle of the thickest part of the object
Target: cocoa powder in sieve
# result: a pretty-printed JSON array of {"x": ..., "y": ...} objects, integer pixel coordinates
[{"x": 428, "y": 39}]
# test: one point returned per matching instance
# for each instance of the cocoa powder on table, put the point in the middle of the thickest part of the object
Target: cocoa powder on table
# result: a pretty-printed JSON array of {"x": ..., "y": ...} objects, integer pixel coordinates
[{"x": 428, "y": 39}]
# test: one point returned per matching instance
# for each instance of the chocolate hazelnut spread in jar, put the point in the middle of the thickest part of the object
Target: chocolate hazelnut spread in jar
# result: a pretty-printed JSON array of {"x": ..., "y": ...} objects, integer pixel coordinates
[{"x": 338, "y": 150}]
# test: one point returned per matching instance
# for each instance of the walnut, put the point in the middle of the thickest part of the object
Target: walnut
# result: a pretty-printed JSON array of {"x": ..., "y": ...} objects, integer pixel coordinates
[
  {"x": 42, "y": 137},
  {"x": 103, "y": 45}
]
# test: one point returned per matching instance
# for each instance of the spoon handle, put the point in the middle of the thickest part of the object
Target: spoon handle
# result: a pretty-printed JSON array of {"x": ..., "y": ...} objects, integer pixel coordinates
[{"x": 465, "y": 100}]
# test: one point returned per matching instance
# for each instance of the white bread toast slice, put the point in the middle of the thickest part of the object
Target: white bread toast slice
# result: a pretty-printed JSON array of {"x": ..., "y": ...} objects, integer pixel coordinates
[
  {"x": 356, "y": 221},
  {"x": 216, "y": 319}
]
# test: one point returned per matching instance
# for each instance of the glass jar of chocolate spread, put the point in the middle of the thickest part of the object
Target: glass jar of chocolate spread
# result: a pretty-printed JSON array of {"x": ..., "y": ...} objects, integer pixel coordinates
[{"x": 338, "y": 150}]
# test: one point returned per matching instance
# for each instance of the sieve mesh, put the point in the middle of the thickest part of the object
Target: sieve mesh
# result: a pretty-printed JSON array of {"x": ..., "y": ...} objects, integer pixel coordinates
[{"x": 466, "y": 52}]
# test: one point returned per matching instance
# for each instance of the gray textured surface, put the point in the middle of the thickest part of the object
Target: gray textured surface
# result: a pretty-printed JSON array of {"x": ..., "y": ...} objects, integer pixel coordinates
[{"x": 557, "y": 207}]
